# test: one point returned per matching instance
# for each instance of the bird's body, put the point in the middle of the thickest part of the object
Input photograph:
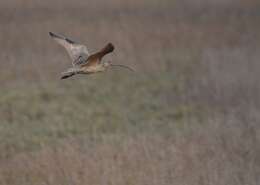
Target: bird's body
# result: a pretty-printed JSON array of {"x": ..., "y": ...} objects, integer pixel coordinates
[{"x": 82, "y": 61}]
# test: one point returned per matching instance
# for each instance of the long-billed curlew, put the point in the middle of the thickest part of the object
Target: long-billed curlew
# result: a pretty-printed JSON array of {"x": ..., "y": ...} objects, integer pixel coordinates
[{"x": 82, "y": 61}]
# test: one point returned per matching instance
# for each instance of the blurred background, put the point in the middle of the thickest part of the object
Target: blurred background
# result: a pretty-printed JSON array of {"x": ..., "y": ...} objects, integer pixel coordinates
[{"x": 190, "y": 113}]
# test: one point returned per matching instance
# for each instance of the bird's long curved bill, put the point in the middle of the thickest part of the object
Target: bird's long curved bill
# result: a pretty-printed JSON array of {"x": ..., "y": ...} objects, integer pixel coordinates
[{"x": 123, "y": 66}]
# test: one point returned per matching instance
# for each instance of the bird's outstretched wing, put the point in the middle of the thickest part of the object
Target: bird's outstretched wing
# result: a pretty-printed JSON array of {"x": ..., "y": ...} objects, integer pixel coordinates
[{"x": 77, "y": 52}]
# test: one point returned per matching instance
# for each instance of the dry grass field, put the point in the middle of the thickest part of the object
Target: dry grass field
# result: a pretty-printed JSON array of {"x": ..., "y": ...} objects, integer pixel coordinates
[{"x": 189, "y": 115}]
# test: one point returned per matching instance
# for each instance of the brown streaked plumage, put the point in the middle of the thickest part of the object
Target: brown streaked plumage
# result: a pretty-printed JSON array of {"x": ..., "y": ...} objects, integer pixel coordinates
[{"x": 82, "y": 61}]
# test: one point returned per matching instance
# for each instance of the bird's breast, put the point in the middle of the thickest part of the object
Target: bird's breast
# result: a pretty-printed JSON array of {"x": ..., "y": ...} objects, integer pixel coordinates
[{"x": 94, "y": 69}]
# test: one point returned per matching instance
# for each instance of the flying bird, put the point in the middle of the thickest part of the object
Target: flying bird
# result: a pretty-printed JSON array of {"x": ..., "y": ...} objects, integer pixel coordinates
[{"x": 82, "y": 61}]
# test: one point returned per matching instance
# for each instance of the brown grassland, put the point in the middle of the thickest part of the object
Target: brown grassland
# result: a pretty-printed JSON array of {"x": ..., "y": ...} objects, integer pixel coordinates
[{"x": 189, "y": 115}]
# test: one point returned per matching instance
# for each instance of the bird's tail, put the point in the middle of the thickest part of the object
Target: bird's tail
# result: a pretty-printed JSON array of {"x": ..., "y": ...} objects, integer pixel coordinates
[
  {"x": 69, "y": 73},
  {"x": 107, "y": 49}
]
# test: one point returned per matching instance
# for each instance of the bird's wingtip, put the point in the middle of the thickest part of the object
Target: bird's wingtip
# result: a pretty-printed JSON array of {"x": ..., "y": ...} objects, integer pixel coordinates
[
  {"x": 51, "y": 34},
  {"x": 54, "y": 35}
]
